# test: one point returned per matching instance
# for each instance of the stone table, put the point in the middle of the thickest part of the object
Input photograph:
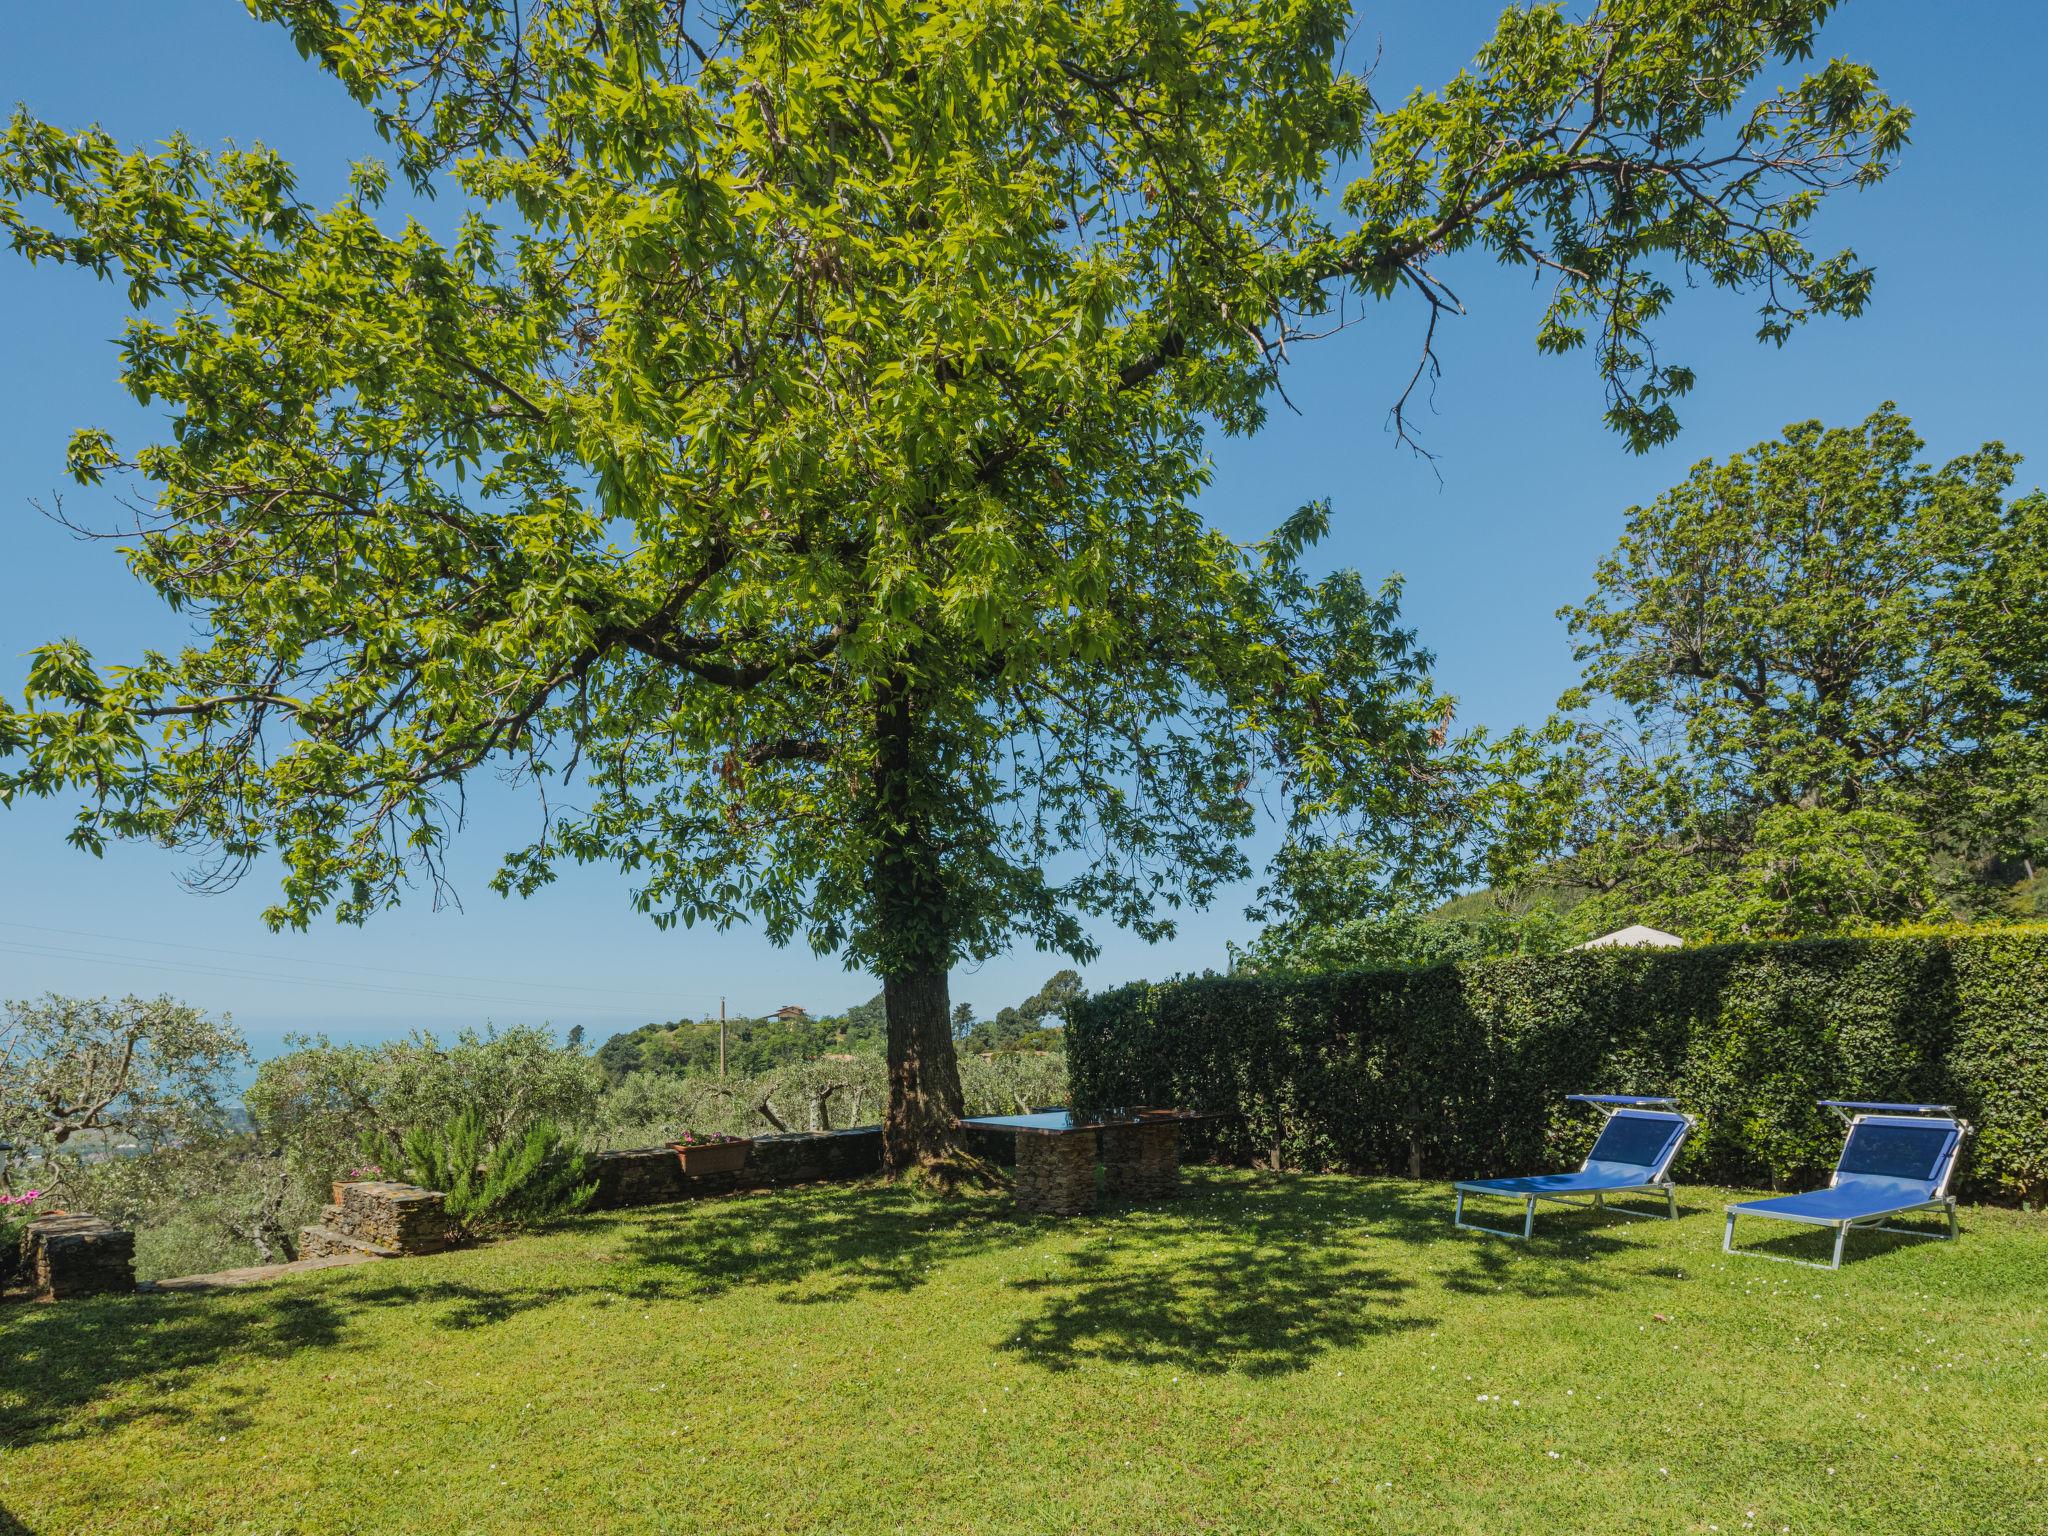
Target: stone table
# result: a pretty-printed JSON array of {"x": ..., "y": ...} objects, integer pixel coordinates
[{"x": 1056, "y": 1151}]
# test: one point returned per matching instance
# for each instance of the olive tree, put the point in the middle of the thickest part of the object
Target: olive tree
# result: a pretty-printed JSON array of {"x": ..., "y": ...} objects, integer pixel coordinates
[
  {"x": 785, "y": 453},
  {"x": 77, "y": 1073},
  {"x": 319, "y": 1104}
]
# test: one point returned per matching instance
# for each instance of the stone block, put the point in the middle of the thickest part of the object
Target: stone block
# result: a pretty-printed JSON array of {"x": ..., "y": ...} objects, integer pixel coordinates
[
  {"x": 399, "y": 1217},
  {"x": 326, "y": 1242},
  {"x": 77, "y": 1255},
  {"x": 1141, "y": 1162},
  {"x": 1056, "y": 1173}
]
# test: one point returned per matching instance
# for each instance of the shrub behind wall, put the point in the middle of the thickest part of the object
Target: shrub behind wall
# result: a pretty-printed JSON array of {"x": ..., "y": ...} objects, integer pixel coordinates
[{"x": 1461, "y": 1069}]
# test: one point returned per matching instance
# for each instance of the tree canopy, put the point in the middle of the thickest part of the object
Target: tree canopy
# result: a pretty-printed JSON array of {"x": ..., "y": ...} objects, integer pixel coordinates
[
  {"x": 785, "y": 455},
  {"x": 1811, "y": 697}
]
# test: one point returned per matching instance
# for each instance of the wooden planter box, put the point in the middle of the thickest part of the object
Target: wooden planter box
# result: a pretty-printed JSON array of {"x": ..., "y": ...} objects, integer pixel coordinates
[{"x": 713, "y": 1157}]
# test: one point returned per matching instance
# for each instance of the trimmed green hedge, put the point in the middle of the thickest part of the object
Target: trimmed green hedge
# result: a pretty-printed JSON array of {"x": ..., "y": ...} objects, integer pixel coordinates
[{"x": 1460, "y": 1070}]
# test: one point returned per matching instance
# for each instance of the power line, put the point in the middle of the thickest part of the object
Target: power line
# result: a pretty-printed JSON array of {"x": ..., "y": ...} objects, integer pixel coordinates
[
  {"x": 641, "y": 994},
  {"x": 195, "y": 968}
]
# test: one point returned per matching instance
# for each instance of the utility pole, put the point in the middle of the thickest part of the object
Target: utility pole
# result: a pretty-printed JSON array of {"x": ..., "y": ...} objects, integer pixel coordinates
[{"x": 721, "y": 1037}]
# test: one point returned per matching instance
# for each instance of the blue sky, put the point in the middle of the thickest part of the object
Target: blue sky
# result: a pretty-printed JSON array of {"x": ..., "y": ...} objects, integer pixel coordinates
[{"x": 1526, "y": 492}]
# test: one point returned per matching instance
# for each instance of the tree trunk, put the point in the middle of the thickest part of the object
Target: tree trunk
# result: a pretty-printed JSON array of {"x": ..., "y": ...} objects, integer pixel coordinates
[
  {"x": 914, "y": 945},
  {"x": 925, "y": 1101}
]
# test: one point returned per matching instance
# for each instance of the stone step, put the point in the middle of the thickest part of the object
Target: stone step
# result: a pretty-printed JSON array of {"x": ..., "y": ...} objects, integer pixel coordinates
[
  {"x": 325, "y": 1242},
  {"x": 256, "y": 1274},
  {"x": 399, "y": 1216}
]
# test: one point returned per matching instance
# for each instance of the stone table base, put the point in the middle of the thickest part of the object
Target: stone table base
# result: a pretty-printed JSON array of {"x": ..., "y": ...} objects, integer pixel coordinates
[
  {"x": 1056, "y": 1173},
  {"x": 1141, "y": 1162}
]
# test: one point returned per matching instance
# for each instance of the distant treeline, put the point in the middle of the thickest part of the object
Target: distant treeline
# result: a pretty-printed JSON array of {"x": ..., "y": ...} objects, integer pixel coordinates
[{"x": 687, "y": 1047}]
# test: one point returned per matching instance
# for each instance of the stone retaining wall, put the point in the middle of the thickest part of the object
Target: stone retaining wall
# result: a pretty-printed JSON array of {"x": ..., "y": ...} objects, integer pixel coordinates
[
  {"x": 67, "y": 1256},
  {"x": 654, "y": 1175}
]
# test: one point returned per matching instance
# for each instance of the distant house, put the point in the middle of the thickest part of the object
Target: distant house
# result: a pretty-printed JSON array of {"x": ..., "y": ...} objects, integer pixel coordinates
[
  {"x": 1634, "y": 934},
  {"x": 789, "y": 1014}
]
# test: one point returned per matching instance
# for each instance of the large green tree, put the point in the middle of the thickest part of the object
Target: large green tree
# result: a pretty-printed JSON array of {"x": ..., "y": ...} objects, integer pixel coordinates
[
  {"x": 789, "y": 447},
  {"x": 1812, "y": 691}
]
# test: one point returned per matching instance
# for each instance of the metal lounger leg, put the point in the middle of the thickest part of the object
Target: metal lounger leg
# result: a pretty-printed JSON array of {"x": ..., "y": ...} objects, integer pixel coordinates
[
  {"x": 1528, "y": 1220},
  {"x": 1948, "y": 1211},
  {"x": 1946, "y": 1208},
  {"x": 1728, "y": 1246},
  {"x": 1598, "y": 1201}
]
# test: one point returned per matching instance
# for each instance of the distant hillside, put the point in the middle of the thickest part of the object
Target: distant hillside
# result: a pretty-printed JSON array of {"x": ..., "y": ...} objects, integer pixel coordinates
[
  {"x": 688, "y": 1046},
  {"x": 1488, "y": 902}
]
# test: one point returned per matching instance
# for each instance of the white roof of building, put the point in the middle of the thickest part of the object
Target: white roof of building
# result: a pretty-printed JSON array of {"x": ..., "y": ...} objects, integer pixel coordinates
[{"x": 1635, "y": 933}]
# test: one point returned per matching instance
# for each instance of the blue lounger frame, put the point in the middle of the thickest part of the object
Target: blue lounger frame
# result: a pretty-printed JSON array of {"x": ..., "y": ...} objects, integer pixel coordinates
[
  {"x": 1637, "y": 1143},
  {"x": 1896, "y": 1159}
]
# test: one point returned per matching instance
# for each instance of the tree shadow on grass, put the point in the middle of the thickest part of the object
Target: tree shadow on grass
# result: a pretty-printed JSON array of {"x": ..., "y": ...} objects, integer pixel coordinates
[
  {"x": 817, "y": 1246},
  {"x": 1174, "y": 1289},
  {"x": 56, "y": 1359},
  {"x": 1257, "y": 1275},
  {"x": 1559, "y": 1267},
  {"x": 822, "y": 1245},
  {"x": 9, "y": 1526},
  {"x": 1576, "y": 1252},
  {"x": 1255, "y": 1278},
  {"x": 457, "y": 1305}
]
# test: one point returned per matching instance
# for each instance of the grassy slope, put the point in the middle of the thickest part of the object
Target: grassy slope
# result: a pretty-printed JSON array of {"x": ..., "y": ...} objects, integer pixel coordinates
[{"x": 1274, "y": 1354}]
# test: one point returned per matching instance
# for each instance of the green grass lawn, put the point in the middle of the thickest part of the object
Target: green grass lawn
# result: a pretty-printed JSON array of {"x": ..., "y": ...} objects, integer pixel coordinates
[{"x": 1275, "y": 1353}]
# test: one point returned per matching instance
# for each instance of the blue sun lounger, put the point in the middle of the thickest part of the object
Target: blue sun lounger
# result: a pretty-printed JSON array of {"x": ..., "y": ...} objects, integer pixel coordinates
[
  {"x": 1897, "y": 1158},
  {"x": 1634, "y": 1152}
]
